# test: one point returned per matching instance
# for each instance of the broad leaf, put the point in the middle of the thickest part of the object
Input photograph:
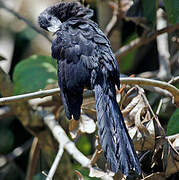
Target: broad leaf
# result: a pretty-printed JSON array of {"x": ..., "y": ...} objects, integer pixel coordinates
[
  {"x": 34, "y": 73},
  {"x": 173, "y": 124}
]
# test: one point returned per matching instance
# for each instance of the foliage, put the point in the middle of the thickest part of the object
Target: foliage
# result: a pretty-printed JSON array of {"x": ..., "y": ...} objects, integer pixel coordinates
[
  {"x": 33, "y": 74},
  {"x": 84, "y": 145},
  {"x": 149, "y": 11},
  {"x": 128, "y": 59},
  {"x": 172, "y": 10},
  {"x": 173, "y": 124}
]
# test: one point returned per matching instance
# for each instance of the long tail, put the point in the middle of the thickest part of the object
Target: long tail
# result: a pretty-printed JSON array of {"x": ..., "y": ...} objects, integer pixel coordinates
[{"x": 114, "y": 138}]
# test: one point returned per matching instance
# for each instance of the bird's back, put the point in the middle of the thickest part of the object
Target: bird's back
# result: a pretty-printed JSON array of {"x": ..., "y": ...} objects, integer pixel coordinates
[{"x": 82, "y": 45}]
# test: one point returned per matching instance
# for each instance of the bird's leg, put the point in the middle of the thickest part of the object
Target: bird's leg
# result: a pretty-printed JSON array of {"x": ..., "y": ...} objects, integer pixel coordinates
[{"x": 74, "y": 129}]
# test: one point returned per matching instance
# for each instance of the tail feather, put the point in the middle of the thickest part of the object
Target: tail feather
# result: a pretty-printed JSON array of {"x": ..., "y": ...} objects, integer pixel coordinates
[{"x": 114, "y": 138}]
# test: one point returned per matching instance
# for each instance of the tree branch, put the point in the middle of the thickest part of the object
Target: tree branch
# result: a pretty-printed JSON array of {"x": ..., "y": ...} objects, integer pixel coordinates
[
  {"x": 174, "y": 80},
  {"x": 158, "y": 90},
  {"x": 130, "y": 81},
  {"x": 150, "y": 82},
  {"x": 63, "y": 140},
  {"x": 69, "y": 146},
  {"x": 163, "y": 50},
  {"x": 15, "y": 153},
  {"x": 25, "y": 97},
  {"x": 144, "y": 40},
  {"x": 113, "y": 20}
]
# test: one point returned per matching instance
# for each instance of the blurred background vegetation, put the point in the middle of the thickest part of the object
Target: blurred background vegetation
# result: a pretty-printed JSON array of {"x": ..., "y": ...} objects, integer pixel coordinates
[{"x": 25, "y": 57}]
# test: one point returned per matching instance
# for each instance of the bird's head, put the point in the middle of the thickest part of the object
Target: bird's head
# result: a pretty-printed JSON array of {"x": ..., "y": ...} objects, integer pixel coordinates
[{"x": 52, "y": 17}]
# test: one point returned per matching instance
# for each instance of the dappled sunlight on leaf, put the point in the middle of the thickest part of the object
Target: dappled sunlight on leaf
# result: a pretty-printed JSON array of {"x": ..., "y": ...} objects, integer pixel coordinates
[{"x": 34, "y": 73}]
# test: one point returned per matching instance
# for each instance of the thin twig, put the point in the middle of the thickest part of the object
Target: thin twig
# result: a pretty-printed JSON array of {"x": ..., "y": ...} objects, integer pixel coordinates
[
  {"x": 131, "y": 81},
  {"x": 55, "y": 163},
  {"x": 97, "y": 152},
  {"x": 144, "y": 40},
  {"x": 157, "y": 90},
  {"x": 150, "y": 82},
  {"x": 33, "y": 158},
  {"x": 38, "y": 94},
  {"x": 129, "y": 47},
  {"x": 159, "y": 107},
  {"x": 173, "y": 137},
  {"x": 30, "y": 24},
  {"x": 146, "y": 101},
  {"x": 113, "y": 20},
  {"x": 148, "y": 74},
  {"x": 174, "y": 80},
  {"x": 25, "y": 97},
  {"x": 15, "y": 153},
  {"x": 95, "y": 156}
]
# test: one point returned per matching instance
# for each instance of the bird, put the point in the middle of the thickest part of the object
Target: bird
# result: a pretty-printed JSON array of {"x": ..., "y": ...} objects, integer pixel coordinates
[{"x": 85, "y": 60}]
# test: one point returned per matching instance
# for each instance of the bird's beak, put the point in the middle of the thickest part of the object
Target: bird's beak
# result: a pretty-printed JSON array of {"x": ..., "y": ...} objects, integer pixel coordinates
[
  {"x": 53, "y": 28},
  {"x": 54, "y": 25}
]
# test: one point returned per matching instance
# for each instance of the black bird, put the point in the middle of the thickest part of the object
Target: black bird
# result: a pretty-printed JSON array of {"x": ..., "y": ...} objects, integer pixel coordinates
[{"x": 85, "y": 60}]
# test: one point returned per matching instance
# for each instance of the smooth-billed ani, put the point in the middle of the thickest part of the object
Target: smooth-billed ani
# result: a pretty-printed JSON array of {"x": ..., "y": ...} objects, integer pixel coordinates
[{"x": 85, "y": 60}]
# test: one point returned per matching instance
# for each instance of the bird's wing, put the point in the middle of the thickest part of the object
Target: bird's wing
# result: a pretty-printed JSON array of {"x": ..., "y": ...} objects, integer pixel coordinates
[
  {"x": 98, "y": 53},
  {"x": 71, "y": 49},
  {"x": 82, "y": 50}
]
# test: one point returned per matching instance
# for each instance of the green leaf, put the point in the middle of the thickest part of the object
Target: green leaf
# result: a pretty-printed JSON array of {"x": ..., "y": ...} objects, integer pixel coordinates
[
  {"x": 149, "y": 11},
  {"x": 84, "y": 145},
  {"x": 34, "y": 73},
  {"x": 173, "y": 124},
  {"x": 128, "y": 59},
  {"x": 172, "y": 7}
]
